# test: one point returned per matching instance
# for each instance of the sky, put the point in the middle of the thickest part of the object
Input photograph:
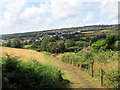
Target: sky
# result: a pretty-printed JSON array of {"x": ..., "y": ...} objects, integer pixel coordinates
[{"x": 17, "y": 16}]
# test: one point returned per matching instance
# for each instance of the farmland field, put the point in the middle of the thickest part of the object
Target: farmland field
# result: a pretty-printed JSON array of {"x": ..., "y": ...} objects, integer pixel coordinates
[{"x": 23, "y": 54}]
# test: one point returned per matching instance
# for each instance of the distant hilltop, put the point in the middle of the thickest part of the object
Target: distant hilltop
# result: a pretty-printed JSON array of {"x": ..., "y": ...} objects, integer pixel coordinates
[{"x": 59, "y": 32}]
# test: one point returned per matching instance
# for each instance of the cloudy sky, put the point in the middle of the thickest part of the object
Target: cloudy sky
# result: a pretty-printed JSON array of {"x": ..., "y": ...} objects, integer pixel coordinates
[{"x": 17, "y": 16}]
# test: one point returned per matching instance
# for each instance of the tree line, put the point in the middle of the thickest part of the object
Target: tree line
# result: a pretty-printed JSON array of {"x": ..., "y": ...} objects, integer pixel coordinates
[{"x": 53, "y": 45}]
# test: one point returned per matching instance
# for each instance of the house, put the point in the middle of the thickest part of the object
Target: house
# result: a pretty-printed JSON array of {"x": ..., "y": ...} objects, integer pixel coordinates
[{"x": 86, "y": 48}]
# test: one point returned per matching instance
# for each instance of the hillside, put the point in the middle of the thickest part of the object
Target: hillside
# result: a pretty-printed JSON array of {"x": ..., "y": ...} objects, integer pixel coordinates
[
  {"x": 39, "y": 34},
  {"x": 77, "y": 77},
  {"x": 81, "y": 36},
  {"x": 22, "y": 54}
]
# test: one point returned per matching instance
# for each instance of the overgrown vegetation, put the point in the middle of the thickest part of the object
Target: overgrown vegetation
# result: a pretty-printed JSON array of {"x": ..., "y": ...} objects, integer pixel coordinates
[
  {"x": 109, "y": 43},
  {"x": 102, "y": 60},
  {"x": 29, "y": 75},
  {"x": 16, "y": 43}
]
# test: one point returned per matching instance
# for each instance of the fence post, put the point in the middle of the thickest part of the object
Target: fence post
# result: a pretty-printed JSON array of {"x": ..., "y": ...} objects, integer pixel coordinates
[
  {"x": 101, "y": 76},
  {"x": 92, "y": 71},
  {"x": 72, "y": 63}
]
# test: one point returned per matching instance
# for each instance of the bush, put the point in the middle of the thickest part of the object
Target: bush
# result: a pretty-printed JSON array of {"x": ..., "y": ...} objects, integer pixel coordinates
[
  {"x": 111, "y": 42},
  {"x": 28, "y": 75},
  {"x": 80, "y": 59},
  {"x": 99, "y": 45},
  {"x": 112, "y": 79},
  {"x": 73, "y": 49},
  {"x": 84, "y": 59},
  {"x": 110, "y": 39},
  {"x": 15, "y": 43}
]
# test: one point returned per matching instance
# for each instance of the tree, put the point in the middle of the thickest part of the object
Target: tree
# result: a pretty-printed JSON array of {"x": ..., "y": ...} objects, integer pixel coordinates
[
  {"x": 8, "y": 44},
  {"x": 16, "y": 44},
  {"x": 99, "y": 45},
  {"x": 93, "y": 39},
  {"x": 110, "y": 40},
  {"x": 58, "y": 48},
  {"x": 45, "y": 43},
  {"x": 62, "y": 47},
  {"x": 69, "y": 43},
  {"x": 55, "y": 48},
  {"x": 56, "y": 37}
]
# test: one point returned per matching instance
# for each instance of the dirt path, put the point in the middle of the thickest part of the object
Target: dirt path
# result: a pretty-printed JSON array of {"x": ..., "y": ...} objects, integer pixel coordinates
[
  {"x": 85, "y": 83},
  {"x": 79, "y": 78}
]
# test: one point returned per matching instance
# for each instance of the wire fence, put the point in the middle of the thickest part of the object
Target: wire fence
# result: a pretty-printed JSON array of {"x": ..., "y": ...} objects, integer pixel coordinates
[{"x": 108, "y": 80}]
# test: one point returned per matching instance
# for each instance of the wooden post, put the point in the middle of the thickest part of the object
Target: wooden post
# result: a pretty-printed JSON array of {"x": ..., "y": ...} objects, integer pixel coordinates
[
  {"x": 92, "y": 71},
  {"x": 101, "y": 76},
  {"x": 72, "y": 63}
]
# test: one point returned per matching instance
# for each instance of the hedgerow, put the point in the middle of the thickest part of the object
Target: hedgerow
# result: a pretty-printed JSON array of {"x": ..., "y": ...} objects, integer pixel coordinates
[
  {"x": 21, "y": 75},
  {"x": 84, "y": 60}
]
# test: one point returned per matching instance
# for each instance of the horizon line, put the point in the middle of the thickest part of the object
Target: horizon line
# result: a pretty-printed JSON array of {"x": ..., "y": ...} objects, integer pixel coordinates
[{"x": 57, "y": 29}]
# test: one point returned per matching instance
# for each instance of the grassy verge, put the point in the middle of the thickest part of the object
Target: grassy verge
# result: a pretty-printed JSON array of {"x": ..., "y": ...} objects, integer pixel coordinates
[
  {"x": 66, "y": 74},
  {"x": 72, "y": 76},
  {"x": 108, "y": 61}
]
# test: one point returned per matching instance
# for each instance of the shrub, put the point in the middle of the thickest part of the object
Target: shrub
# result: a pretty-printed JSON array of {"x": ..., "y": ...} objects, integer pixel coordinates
[
  {"x": 99, "y": 45},
  {"x": 84, "y": 59},
  {"x": 28, "y": 75},
  {"x": 112, "y": 79}
]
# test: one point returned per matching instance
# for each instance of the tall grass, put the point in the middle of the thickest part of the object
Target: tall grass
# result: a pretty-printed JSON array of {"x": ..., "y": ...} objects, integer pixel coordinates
[
  {"x": 106, "y": 60},
  {"x": 29, "y": 75}
]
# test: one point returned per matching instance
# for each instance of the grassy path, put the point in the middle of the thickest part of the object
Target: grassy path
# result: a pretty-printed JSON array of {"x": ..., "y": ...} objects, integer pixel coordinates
[{"x": 77, "y": 77}]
